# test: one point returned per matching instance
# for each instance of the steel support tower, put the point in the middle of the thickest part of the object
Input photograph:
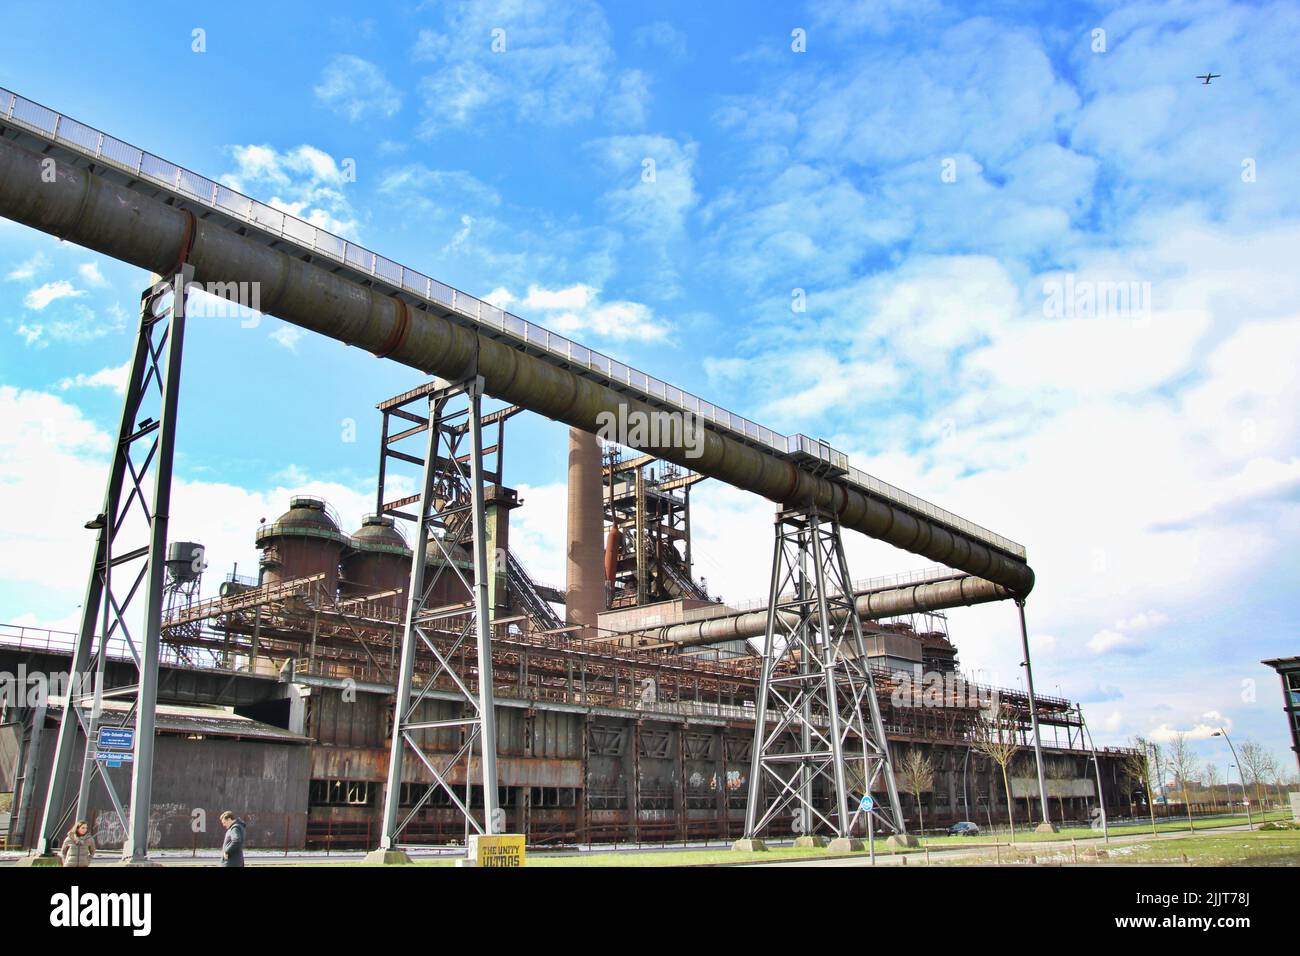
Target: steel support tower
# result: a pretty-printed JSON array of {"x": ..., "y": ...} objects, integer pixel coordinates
[
  {"x": 451, "y": 504},
  {"x": 126, "y": 573},
  {"x": 817, "y": 723}
]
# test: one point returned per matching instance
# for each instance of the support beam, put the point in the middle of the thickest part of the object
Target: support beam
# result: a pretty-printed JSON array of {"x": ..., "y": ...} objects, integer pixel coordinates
[
  {"x": 124, "y": 576},
  {"x": 453, "y": 503},
  {"x": 817, "y": 719}
]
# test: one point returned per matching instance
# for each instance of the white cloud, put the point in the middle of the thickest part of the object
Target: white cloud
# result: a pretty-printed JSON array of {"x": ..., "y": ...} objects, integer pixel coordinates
[
  {"x": 50, "y": 451},
  {"x": 91, "y": 276},
  {"x": 628, "y": 103},
  {"x": 1204, "y": 729},
  {"x": 661, "y": 36},
  {"x": 354, "y": 88},
  {"x": 112, "y": 378},
  {"x": 29, "y": 268},
  {"x": 75, "y": 322},
  {"x": 1111, "y": 640},
  {"x": 425, "y": 187},
  {"x": 651, "y": 194},
  {"x": 573, "y": 297},
  {"x": 654, "y": 181},
  {"x": 839, "y": 19},
  {"x": 288, "y": 336},
  {"x": 305, "y": 182},
  {"x": 578, "y": 308},
  {"x": 40, "y": 297},
  {"x": 501, "y": 297},
  {"x": 534, "y": 62},
  {"x": 537, "y": 527},
  {"x": 945, "y": 94}
]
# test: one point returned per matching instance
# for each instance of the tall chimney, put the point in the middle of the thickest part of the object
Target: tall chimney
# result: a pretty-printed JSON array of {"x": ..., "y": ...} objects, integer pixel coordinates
[{"x": 585, "y": 567}]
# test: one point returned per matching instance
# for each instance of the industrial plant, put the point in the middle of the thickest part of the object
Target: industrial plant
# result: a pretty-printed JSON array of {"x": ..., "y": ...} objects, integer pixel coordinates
[
  {"x": 628, "y": 717},
  {"x": 408, "y": 682}
]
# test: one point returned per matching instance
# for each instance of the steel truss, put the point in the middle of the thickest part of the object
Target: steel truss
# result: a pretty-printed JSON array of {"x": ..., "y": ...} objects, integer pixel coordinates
[
  {"x": 817, "y": 717},
  {"x": 127, "y": 569},
  {"x": 451, "y": 501}
]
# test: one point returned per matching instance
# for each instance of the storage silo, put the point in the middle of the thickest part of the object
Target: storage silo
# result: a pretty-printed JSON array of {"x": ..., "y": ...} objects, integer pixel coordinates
[
  {"x": 377, "y": 561},
  {"x": 303, "y": 541}
]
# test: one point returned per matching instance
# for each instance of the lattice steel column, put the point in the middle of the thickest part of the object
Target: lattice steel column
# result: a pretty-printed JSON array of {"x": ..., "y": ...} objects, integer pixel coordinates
[
  {"x": 130, "y": 557},
  {"x": 817, "y": 717},
  {"x": 451, "y": 499}
]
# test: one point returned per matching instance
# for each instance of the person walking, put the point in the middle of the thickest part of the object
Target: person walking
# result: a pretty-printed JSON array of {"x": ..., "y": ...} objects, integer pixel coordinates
[
  {"x": 232, "y": 847},
  {"x": 78, "y": 846}
]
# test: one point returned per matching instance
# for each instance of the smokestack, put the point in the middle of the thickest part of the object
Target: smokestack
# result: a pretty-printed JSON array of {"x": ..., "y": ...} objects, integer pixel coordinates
[{"x": 585, "y": 575}]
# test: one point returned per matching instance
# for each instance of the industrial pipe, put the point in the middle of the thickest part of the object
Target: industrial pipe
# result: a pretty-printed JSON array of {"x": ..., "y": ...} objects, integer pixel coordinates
[
  {"x": 870, "y": 605},
  {"x": 84, "y": 208}
]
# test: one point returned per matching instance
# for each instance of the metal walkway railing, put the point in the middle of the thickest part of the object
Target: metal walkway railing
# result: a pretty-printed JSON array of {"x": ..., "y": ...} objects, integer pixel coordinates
[
  {"x": 520, "y": 584},
  {"x": 681, "y": 579},
  {"x": 247, "y": 212}
]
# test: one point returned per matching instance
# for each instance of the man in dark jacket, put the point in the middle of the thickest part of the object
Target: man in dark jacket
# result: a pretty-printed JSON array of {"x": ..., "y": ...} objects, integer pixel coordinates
[{"x": 232, "y": 848}]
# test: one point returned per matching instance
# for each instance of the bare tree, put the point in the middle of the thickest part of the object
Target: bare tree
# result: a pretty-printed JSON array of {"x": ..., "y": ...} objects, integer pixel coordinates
[
  {"x": 1211, "y": 772},
  {"x": 1158, "y": 763},
  {"x": 1138, "y": 769},
  {"x": 1254, "y": 764},
  {"x": 915, "y": 773},
  {"x": 995, "y": 738},
  {"x": 1182, "y": 761},
  {"x": 1273, "y": 773},
  {"x": 1061, "y": 771}
]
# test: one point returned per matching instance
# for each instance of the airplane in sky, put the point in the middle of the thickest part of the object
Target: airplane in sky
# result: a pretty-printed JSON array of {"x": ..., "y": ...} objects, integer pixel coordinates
[{"x": 1207, "y": 77}]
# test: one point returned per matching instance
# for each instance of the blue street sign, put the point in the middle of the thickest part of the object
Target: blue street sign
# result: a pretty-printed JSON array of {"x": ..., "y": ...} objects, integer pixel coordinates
[
  {"x": 116, "y": 738},
  {"x": 867, "y": 803},
  {"x": 113, "y": 758}
]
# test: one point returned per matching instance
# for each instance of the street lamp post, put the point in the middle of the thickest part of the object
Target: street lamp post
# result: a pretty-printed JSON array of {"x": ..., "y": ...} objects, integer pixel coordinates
[
  {"x": 1101, "y": 796},
  {"x": 1250, "y": 823},
  {"x": 1046, "y": 825}
]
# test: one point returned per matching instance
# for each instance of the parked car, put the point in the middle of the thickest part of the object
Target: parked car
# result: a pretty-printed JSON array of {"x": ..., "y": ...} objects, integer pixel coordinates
[{"x": 964, "y": 828}]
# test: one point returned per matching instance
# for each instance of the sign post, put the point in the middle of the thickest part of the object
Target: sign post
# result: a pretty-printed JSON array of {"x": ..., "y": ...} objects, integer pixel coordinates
[
  {"x": 115, "y": 746},
  {"x": 868, "y": 805}
]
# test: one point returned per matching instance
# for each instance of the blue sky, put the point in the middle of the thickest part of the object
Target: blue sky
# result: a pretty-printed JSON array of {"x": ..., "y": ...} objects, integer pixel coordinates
[{"x": 859, "y": 240}]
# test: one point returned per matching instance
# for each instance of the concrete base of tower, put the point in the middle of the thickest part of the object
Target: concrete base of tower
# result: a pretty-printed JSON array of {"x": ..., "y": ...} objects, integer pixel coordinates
[{"x": 387, "y": 858}]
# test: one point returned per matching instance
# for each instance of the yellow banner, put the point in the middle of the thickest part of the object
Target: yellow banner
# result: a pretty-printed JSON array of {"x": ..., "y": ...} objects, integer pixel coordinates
[{"x": 502, "y": 849}]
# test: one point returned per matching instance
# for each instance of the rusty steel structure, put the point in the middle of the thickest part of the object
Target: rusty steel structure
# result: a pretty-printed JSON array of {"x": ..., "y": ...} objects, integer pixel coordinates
[
  {"x": 124, "y": 596},
  {"x": 647, "y": 530},
  {"x": 636, "y": 706},
  {"x": 817, "y": 684},
  {"x": 597, "y": 742}
]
